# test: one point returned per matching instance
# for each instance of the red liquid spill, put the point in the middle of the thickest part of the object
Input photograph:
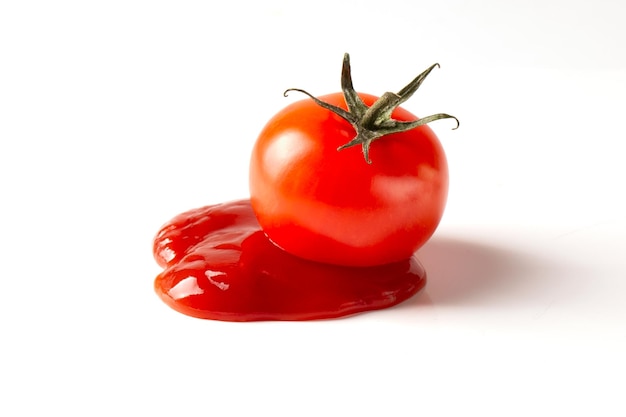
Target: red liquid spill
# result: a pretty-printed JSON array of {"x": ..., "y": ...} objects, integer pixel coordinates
[{"x": 219, "y": 265}]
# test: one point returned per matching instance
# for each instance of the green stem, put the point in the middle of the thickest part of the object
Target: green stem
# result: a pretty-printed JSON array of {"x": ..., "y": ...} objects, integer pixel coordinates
[{"x": 374, "y": 122}]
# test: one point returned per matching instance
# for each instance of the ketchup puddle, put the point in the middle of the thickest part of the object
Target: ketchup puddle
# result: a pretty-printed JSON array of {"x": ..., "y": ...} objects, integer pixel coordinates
[{"x": 218, "y": 264}]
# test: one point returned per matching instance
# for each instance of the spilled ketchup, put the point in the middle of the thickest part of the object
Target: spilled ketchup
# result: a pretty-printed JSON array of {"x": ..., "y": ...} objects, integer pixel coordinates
[{"x": 218, "y": 264}]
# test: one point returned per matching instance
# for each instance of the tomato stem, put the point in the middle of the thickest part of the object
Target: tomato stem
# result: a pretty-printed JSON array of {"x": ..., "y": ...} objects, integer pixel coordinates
[{"x": 374, "y": 122}]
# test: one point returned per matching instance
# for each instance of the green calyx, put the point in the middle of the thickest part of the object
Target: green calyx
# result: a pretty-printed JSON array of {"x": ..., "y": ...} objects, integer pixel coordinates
[{"x": 374, "y": 122}]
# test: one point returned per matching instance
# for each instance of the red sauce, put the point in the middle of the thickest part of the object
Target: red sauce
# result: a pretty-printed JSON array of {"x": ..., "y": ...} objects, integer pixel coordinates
[{"x": 218, "y": 264}]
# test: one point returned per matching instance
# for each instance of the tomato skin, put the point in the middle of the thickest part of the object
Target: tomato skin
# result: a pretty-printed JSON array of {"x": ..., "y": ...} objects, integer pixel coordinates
[{"x": 331, "y": 206}]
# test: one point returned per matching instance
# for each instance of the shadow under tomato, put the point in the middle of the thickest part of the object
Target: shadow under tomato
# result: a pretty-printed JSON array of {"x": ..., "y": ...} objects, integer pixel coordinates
[{"x": 466, "y": 272}]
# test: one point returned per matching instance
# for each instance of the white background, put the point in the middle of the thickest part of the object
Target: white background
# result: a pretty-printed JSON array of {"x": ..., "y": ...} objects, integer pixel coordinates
[{"x": 117, "y": 115}]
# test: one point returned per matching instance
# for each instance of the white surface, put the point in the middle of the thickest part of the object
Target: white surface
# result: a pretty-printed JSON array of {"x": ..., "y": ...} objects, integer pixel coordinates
[{"x": 109, "y": 126}]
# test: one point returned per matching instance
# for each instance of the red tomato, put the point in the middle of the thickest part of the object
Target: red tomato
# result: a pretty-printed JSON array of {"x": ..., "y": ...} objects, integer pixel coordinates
[{"x": 332, "y": 206}]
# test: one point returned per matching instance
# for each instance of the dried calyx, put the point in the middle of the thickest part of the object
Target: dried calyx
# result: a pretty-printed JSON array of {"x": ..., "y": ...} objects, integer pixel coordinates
[{"x": 371, "y": 123}]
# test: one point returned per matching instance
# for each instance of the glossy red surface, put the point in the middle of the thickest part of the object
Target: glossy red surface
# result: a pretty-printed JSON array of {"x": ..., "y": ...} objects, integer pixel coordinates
[
  {"x": 332, "y": 206},
  {"x": 218, "y": 264}
]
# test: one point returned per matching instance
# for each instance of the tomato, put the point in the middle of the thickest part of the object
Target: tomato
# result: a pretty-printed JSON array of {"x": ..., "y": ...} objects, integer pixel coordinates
[{"x": 318, "y": 197}]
